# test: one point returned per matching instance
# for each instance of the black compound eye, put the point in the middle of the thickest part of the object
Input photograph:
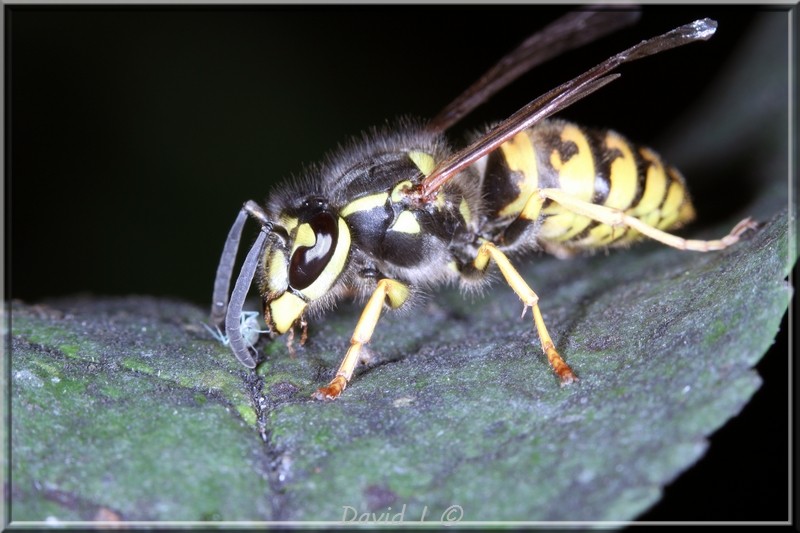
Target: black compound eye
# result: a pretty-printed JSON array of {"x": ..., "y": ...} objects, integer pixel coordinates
[{"x": 308, "y": 262}]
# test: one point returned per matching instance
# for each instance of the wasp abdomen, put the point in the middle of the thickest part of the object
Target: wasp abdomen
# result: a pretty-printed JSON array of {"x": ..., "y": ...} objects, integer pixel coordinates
[{"x": 596, "y": 166}]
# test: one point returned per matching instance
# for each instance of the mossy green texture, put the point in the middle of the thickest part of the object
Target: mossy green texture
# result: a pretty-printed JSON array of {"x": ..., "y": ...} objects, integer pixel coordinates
[
  {"x": 454, "y": 409},
  {"x": 120, "y": 437},
  {"x": 491, "y": 431}
]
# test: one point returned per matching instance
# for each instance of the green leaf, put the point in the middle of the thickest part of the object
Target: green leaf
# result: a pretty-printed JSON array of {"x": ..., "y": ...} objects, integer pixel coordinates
[
  {"x": 127, "y": 406},
  {"x": 126, "y": 409}
]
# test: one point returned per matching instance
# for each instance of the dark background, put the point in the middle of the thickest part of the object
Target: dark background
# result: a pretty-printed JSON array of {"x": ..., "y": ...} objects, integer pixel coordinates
[{"x": 135, "y": 134}]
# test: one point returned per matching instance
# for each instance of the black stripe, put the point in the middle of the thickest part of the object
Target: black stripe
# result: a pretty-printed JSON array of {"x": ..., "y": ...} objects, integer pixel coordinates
[
  {"x": 670, "y": 181},
  {"x": 602, "y": 159},
  {"x": 625, "y": 230},
  {"x": 670, "y": 173},
  {"x": 642, "y": 166},
  {"x": 549, "y": 140},
  {"x": 583, "y": 234},
  {"x": 499, "y": 184}
]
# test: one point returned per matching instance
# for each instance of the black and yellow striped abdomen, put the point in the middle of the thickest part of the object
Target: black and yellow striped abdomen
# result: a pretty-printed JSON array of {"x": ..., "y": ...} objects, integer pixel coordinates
[{"x": 600, "y": 167}]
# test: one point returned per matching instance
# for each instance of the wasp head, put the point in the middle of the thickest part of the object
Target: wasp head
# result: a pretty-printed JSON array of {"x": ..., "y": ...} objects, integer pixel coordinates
[{"x": 303, "y": 259}]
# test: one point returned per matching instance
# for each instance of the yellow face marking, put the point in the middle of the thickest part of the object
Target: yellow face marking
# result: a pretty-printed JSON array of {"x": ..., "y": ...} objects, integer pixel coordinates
[
  {"x": 285, "y": 310},
  {"x": 463, "y": 208},
  {"x": 365, "y": 203},
  {"x": 288, "y": 223},
  {"x": 397, "y": 192},
  {"x": 334, "y": 267},
  {"x": 424, "y": 162},
  {"x": 305, "y": 237},
  {"x": 406, "y": 223},
  {"x": 520, "y": 157},
  {"x": 277, "y": 272},
  {"x": 624, "y": 175},
  {"x": 654, "y": 189}
]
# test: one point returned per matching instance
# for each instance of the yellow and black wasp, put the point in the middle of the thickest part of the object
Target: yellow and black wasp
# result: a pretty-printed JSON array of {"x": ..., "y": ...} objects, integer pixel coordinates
[{"x": 399, "y": 212}]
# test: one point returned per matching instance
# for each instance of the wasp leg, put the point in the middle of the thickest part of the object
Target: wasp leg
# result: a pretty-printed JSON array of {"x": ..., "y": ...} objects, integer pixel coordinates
[
  {"x": 529, "y": 298},
  {"x": 615, "y": 217},
  {"x": 394, "y": 294}
]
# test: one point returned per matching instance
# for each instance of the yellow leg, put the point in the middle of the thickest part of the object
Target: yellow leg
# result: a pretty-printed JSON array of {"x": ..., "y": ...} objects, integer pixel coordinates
[
  {"x": 529, "y": 298},
  {"x": 393, "y": 293},
  {"x": 615, "y": 217}
]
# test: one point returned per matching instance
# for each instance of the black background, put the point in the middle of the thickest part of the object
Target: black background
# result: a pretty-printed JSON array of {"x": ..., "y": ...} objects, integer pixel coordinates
[{"x": 135, "y": 134}]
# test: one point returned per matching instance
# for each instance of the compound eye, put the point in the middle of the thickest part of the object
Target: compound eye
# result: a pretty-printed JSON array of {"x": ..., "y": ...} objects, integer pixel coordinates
[{"x": 308, "y": 262}]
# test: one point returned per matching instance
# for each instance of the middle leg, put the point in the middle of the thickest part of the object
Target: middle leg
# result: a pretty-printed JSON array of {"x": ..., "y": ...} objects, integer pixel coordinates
[{"x": 488, "y": 251}]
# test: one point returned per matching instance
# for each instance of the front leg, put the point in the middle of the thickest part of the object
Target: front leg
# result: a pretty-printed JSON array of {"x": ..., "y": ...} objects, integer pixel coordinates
[{"x": 394, "y": 294}]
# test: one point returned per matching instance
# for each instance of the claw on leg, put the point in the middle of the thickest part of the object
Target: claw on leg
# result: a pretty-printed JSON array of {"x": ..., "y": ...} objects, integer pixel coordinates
[
  {"x": 332, "y": 390},
  {"x": 529, "y": 299},
  {"x": 560, "y": 367}
]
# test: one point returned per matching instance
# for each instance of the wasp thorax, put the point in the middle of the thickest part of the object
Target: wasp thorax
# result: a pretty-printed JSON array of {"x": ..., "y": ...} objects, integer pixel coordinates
[{"x": 304, "y": 267}]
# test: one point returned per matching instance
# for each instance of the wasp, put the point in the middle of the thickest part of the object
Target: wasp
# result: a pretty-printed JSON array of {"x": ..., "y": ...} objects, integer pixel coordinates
[{"x": 399, "y": 211}]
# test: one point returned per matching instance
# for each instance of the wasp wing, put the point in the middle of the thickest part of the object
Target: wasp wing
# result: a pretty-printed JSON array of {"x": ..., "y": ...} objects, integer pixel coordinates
[
  {"x": 558, "y": 99},
  {"x": 573, "y": 30}
]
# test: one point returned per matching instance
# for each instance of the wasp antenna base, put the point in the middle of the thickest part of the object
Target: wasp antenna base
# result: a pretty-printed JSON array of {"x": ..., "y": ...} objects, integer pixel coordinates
[{"x": 255, "y": 211}]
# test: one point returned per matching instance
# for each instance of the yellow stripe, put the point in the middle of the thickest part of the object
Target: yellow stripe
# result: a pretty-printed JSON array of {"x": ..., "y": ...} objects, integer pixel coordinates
[
  {"x": 285, "y": 310},
  {"x": 623, "y": 180},
  {"x": 406, "y": 223},
  {"x": 623, "y": 176},
  {"x": 424, "y": 162},
  {"x": 364, "y": 203},
  {"x": 463, "y": 208},
  {"x": 277, "y": 271},
  {"x": 441, "y": 200},
  {"x": 396, "y": 293},
  {"x": 520, "y": 157},
  {"x": 654, "y": 189},
  {"x": 334, "y": 268},
  {"x": 576, "y": 174},
  {"x": 287, "y": 223},
  {"x": 305, "y": 237},
  {"x": 685, "y": 210},
  {"x": 671, "y": 208},
  {"x": 599, "y": 235},
  {"x": 576, "y": 178}
]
